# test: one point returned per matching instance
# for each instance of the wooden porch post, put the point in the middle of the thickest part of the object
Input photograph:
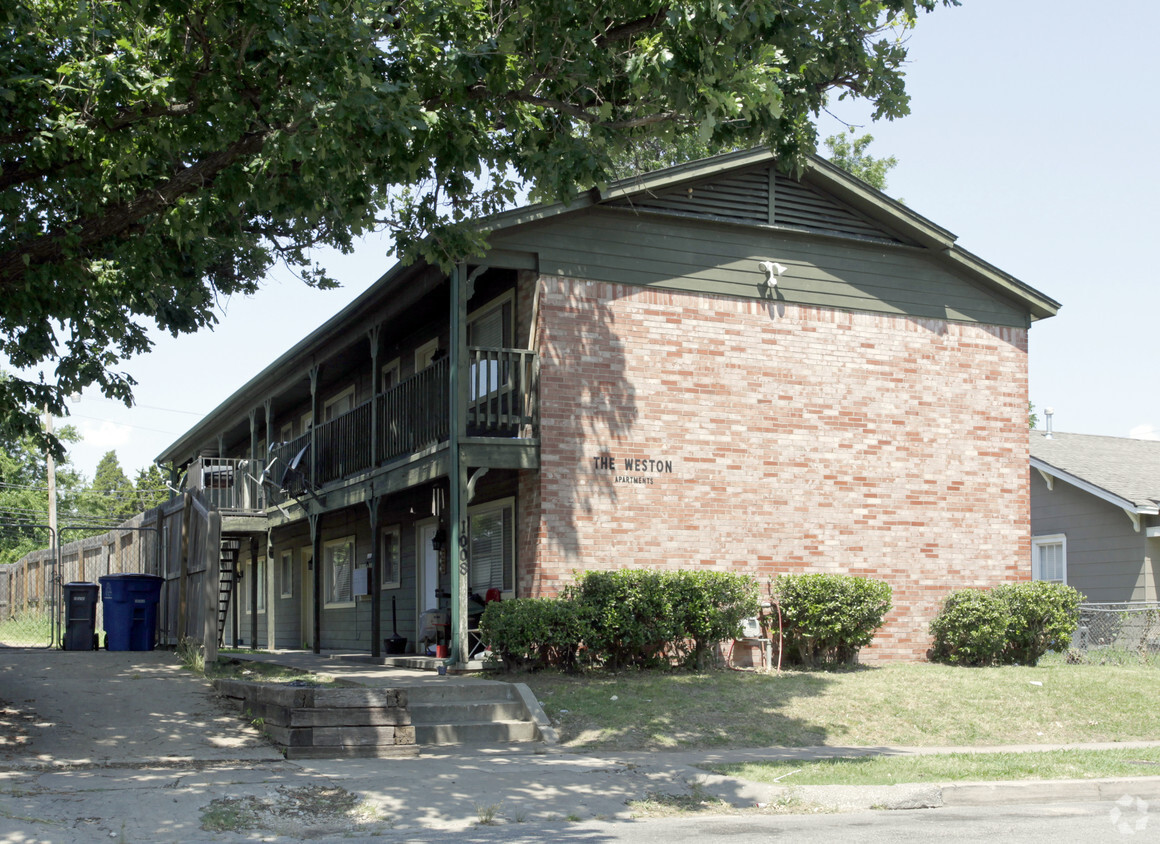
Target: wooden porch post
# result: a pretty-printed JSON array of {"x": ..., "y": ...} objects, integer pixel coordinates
[
  {"x": 376, "y": 578},
  {"x": 316, "y": 585},
  {"x": 457, "y": 383}
]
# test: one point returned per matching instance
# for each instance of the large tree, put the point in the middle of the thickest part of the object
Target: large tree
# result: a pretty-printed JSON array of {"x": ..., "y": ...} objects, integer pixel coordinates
[{"x": 157, "y": 154}]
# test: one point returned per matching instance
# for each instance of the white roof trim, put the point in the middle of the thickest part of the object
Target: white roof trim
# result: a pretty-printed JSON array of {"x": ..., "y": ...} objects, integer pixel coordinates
[{"x": 1098, "y": 492}]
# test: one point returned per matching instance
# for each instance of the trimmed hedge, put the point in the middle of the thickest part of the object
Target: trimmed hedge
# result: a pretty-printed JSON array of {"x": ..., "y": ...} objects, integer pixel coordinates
[
  {"x": 628, "y": 618},
  {"x": 827, "y": 618},
  {"x": 1012, "y": 623},
  {"x": 970, "y": 628},
  {"x": 532, "y": 633}
]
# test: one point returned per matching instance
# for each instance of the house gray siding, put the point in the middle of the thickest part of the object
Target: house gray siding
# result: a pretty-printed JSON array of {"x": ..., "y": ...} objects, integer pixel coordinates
[{"x": 1106, "y": 557}]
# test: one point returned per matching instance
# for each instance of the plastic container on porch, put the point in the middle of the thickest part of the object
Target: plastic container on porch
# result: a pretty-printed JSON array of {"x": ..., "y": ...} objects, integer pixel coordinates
[
  {"x": 80, "y": 616},
  {"x": 130, "y": 605}
]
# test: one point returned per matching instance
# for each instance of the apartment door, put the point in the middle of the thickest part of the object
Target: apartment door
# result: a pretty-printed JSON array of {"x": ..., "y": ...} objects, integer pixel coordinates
[
  {"x": 428, "y": 574},
  {"x": 307, "y": 621}
]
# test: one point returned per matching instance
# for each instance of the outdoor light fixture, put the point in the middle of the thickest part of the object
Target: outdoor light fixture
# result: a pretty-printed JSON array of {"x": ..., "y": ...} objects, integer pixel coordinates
[
  {"x": 772, "y": 271},
  {"x": 439, "y": 539}
]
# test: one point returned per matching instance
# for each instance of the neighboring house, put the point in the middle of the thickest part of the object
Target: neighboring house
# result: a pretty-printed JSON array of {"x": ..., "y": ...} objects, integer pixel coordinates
[
  {"x": 1095, "y": 515},
  {"x": 711, "y": 366}
]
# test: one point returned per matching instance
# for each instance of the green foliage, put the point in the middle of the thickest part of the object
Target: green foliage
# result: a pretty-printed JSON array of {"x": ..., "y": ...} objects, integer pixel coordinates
[
  {"x": 630, "y": 613},
  {"x": 1012, "y": 623},
  {"x": 970, "y": 628},
  {"x": 849, "y": 152},
  {"x": 827, "y": 618},
  {"x": 624, "y": 619},
  {"x": 1044, "y": 617},
  {"x": 708, "y": 608},
  {"x": 533, "y": 633},
  {"x": 155, "y": 157}
]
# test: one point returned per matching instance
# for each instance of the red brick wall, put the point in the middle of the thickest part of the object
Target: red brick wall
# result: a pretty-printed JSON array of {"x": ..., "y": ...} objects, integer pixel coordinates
[{"x": 799, "y": 439}]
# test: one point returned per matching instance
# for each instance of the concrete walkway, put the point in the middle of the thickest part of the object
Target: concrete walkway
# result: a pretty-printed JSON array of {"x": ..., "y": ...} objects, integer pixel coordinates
[{"x": 132, "y": 747}]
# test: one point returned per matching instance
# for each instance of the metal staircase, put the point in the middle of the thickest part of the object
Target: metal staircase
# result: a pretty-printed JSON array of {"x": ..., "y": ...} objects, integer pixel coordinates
[{"x": 227, "y": 579}]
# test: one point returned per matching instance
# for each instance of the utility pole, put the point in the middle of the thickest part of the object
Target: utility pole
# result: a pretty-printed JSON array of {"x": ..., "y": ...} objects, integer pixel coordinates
[{"x": 50, "y": 466}]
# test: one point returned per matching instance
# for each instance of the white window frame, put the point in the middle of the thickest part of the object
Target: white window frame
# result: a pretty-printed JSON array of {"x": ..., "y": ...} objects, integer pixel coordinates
[
  {"x": 286, "y": 573},
  {"x": 394, "y": 368},
  {"x": 247, "y": 570},
  {"x": 1038, "y": 542},
  {"x": 500, "y": 504},
  {"x": 342, "y": 395},
  {"x": 328, "y": 595},
  {"x": 392, "y": 564},
  {"x": 307, "y": 421},
  {"x": 506, "y": 298},
  {"x": 486, "y": 381},
  {"x": 286, "y": 432},
  {"x": 425, "y": 353}
]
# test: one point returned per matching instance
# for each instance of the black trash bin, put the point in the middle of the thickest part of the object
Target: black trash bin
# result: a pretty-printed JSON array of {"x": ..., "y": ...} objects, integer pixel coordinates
[
  {"x": 80, "y": 616},
  {"x": 130, "y": 604}
]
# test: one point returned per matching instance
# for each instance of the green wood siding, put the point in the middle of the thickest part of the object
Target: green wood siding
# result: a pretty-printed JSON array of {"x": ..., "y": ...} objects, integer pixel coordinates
[
  {"x": 619, "y": 246},
  {"x": 744, "y": 197}
]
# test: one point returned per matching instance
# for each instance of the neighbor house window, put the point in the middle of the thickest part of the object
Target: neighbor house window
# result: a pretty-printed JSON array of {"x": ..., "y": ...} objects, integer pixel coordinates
[
  {"x": 391, "y": 558},
  {"x": 338, "y": 561},
  {"x": 491, "y": 540},
  {"x": 286, "y": 573},
  {"x": 1049, "y": 558}
]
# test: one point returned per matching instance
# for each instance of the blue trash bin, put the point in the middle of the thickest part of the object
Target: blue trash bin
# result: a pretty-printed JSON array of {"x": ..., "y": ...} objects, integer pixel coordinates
[{"x": 130, "y": 605}]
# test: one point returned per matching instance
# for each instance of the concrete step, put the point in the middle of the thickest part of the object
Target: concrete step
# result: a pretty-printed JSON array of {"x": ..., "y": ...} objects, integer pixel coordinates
[
  {"x": 476, "y": 732},
  {"x": 460, "y": 712},
  {"x": 462, "y": 691}
]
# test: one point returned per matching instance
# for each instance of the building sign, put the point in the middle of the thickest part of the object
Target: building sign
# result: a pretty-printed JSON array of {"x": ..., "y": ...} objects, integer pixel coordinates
[{"x": 632, "y": 470}]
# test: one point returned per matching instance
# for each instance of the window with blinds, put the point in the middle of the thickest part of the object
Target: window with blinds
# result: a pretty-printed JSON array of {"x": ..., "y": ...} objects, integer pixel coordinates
[
  {"x": 338, "y": 558},
  {"x": 492, "y": 547},
  {"x": 1049, "y": 558}
]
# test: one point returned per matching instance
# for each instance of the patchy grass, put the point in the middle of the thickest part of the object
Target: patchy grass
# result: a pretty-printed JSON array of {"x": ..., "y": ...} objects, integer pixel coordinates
[
  {"x": 907, "y": 704},
  {"x": 951, "y": 767},
  {"x": 310, "y": 812}
]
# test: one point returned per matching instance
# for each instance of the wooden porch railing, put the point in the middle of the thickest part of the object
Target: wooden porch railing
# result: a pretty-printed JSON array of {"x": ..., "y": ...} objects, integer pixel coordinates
[
  {"x": 503, "y": 387},
  {"x": 229, "y": 484}
]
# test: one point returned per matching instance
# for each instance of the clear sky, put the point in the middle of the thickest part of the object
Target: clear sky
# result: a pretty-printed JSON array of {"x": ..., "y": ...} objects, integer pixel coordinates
[{"x": 1029, "y": 136}]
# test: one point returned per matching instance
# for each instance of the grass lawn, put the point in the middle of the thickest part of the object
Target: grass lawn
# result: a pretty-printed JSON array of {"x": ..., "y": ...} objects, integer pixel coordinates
[
  {"x": 899, "y": 704},
  {"x": 951, "y": 767}
]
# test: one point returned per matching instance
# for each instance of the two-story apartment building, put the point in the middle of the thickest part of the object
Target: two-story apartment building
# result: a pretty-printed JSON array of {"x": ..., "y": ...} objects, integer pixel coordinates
[{"x": 715, "y": 365}]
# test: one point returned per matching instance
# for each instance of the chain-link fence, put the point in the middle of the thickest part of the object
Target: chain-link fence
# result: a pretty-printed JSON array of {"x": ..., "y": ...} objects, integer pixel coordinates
[
  {"x": 31, "y": 593},
  {"x": 1117, "y": 633}
]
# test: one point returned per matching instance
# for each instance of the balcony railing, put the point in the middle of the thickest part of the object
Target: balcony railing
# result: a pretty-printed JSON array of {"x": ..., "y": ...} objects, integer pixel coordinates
[
  {"x": 231, "y": 485},
  {"x": 412, "y": 416}
]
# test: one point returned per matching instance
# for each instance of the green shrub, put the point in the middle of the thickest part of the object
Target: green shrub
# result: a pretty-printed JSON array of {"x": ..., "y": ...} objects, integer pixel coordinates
[
  {"x": 827, "y": 618},
  {"x": 630, "y": 616},
  {"x": 708, "y": 608},
  {"x": 1011, "y": 623},
  {"x": 970, "y": 628},
  {"x": 532, "y": 633},
  {"x": 1043, "y": 618}
]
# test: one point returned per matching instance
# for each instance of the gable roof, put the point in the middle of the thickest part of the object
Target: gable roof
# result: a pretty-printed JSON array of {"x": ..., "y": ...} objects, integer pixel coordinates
[
  {"x": 825, "y": 200},
  {"x": 1122, "y": 471}
]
